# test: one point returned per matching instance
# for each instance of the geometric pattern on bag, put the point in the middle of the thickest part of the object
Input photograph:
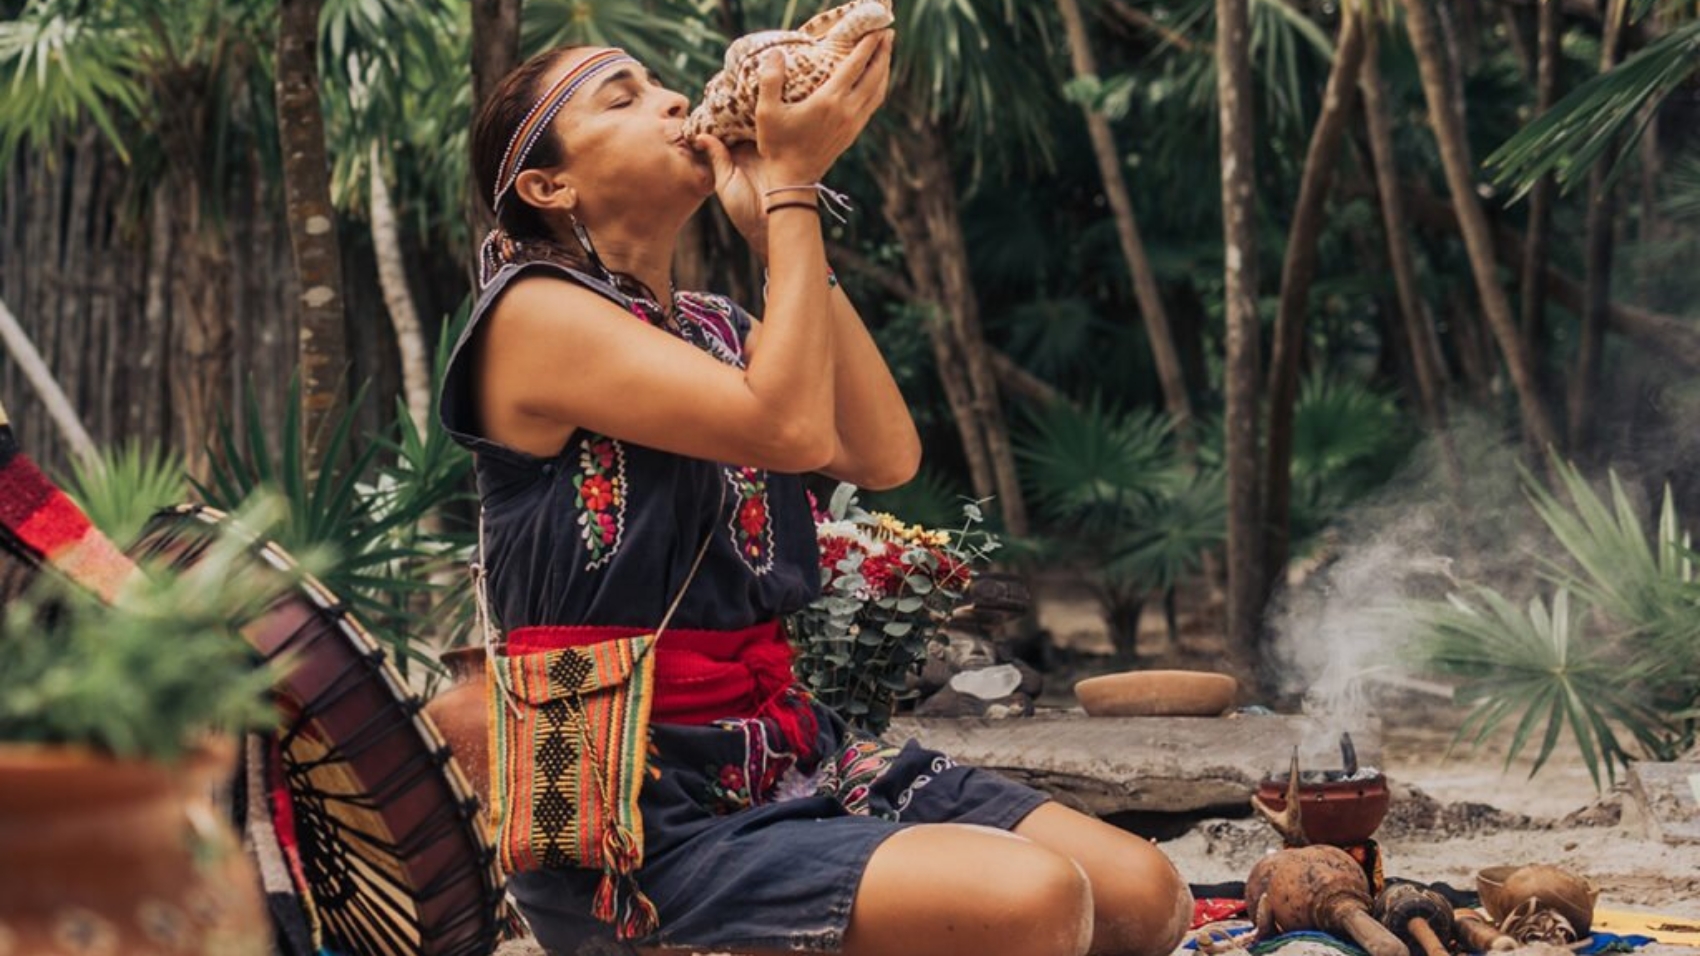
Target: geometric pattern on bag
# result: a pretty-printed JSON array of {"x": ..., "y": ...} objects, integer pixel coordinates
[
  {"x": 569, "y": 745},
  {"x": 571, "y": 734}
]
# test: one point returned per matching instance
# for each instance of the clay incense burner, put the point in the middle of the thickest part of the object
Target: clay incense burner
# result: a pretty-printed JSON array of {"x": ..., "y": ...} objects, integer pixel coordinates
[{"x": 1337, "y": 807}]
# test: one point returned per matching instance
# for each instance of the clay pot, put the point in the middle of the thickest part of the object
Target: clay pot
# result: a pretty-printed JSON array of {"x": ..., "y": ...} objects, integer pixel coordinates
[
  {"x": 1338, "y": 813},
  {"x": 461, "y": 713},
  {"x": 1504, "y": 888},
  {"x": 106, "y": 856},
  {"x": 1157, "y": 694}
]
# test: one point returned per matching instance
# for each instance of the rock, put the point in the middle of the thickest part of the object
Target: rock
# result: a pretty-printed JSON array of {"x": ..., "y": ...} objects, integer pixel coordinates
[
  {"x": 966, "y": 652},
  {"x": 1032, "y": 682},
  {"x": 1668, "y": 795},
  {"x": 950, "y": 704},
  {"x": 987, "y": 683},
  {"x": 1106, "y": 765},
  {"x": 935, "y": 673}
]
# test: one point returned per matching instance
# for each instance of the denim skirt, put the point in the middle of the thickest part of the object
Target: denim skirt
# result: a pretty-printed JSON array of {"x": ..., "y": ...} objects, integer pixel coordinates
[{"x": 746, "y": 847}]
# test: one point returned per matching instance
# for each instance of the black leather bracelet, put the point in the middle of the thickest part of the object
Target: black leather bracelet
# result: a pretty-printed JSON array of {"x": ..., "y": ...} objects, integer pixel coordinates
[{"x": 812, "y": 207}]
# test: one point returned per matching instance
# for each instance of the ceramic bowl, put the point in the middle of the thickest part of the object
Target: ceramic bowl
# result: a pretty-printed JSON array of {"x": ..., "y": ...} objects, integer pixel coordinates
[{"x": 1157, "y": 694}]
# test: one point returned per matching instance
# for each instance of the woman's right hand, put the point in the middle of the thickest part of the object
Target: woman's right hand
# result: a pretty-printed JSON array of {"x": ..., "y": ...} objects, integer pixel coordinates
[{"x": 798, "y": 142}]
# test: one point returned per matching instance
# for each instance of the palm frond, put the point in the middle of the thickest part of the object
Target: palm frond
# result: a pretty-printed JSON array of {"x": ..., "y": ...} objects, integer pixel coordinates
[
  {"x": 60, "y": 66},
  {"x": 1538, "y": 665},
  {"x": 1576, "y": 133},
  {"x": 1093, "y": 466},
  {"x": 124, "y": 485}
]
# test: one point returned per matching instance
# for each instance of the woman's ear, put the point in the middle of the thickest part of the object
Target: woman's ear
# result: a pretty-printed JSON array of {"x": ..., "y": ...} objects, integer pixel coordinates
[{"x": 546, "y": 190}]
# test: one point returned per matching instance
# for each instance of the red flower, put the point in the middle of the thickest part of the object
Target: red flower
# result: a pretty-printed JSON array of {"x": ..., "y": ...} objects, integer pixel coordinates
[
  {"x": 731, "y": 777},
  {"x": 883, "y": 572},
  {"x": 604, "y": 452},
  {"x": 832, "y": 551},
  {"x": 752, "y": 517},
  {"x": 597, "y": 492},
  {"x": 606, "y": 521},
  {"x": 952, "y": 573}
]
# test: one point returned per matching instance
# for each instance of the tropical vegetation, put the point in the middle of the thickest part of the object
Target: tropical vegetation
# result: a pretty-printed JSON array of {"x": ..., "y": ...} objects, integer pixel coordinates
[{"x": 1170, "y": 285}]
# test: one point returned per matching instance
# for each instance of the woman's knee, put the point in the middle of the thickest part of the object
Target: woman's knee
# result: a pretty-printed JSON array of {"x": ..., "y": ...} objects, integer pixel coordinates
[
  {"x": 973, "y": 893},
  {"x": 1144, "y": 906},
  {"x": 1051, "y": 895}
]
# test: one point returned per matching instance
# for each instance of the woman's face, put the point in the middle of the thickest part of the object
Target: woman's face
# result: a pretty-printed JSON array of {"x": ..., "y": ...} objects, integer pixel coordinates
[{"x": 623, "y": 145}]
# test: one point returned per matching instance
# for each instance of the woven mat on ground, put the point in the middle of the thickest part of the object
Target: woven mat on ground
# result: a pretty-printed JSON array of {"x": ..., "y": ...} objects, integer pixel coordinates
[{"x": 1673, "y": 930}]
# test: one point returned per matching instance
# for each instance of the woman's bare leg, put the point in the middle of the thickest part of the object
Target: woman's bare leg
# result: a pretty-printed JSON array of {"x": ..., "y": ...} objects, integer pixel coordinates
[
  {"x": 955, "y": 890},
  {"x": 1141, "y": 906}
]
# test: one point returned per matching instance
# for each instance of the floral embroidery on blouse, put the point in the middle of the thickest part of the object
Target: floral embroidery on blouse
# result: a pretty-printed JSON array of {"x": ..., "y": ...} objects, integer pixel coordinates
[
  {"x": 859, "y": 764},
  {"x": 601, "y": 486},
  {"x": 750, "y": 524},
  {"x": 731, "y": 787},
  {"x": 712, "y": 315}
]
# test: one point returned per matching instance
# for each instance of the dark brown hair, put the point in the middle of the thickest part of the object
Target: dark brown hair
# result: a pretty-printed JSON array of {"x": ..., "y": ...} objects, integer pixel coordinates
[{"x": 523, "y": 235}]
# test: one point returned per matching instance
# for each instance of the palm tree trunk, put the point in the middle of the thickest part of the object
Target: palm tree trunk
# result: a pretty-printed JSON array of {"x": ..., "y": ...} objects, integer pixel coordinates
[
  {"x": 1439, "y": 80},
  {"x": 1298, "y": 269},
  {"x": 1244, "y": 363},
  {"x": 398, "y": 299},
  {"x": 59, "y": 407},
  {"x": 1541, "y": 197},
  {"x": 1157, "y": 327},
  {"x": 1598, "y": 257},
  {"x": 495, "y": 45},
  {"x": 900, "y": 205},
  {"x": 198, "y": 364},
  {"x": 1427, "y": 361},
  {"x": 323, "y": 343},
  {"x": 920, "y": 199}
]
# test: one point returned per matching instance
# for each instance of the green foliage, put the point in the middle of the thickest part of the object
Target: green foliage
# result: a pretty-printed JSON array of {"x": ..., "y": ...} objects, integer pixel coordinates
[
  {"x": 886, "y": 589},
  {"x": 58, "y": 67},
  {"x": 1540, "y": 667},
  {"x": 148, "y": 674},
  {"x": 928, "y": 499},
  {"x": 1347, "y": 439},
  {"x": 671, "y": 37},
  {"x": 125, "y": 485},
  {"x": 1120, "y": 502},
  {"x": 1622, "y": 663},
  {"x": 370, "y": 511},
  {"x": 1578, "y": 131}
]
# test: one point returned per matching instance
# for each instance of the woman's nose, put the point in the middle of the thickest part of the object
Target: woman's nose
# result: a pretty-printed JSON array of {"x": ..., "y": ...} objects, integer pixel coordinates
[{"x": 677, "y": 104}]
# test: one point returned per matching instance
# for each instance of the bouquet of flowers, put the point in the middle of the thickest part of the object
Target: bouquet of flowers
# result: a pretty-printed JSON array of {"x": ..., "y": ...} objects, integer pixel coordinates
[{"x": 886, "y": 589}]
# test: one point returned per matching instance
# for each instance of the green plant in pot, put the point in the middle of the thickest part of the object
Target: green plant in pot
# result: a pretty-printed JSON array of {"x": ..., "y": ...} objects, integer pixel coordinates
[{"x": 117, "y": 725}]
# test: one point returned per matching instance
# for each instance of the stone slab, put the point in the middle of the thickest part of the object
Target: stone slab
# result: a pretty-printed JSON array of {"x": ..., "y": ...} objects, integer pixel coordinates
[
  {"x": 1669, "y": 797},
  {"x": 1107, "y": 765}
]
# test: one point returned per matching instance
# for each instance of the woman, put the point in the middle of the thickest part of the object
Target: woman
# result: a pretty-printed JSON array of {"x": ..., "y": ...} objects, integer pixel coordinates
[{"x": 616, "y": 428}]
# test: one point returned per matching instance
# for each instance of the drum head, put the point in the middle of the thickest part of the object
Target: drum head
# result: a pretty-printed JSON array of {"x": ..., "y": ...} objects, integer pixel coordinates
[{"x": 391, "y": 838}]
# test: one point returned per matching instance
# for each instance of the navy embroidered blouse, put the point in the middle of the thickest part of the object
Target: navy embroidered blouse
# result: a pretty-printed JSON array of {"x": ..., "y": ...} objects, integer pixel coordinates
[{"x": 604, "y": 532}]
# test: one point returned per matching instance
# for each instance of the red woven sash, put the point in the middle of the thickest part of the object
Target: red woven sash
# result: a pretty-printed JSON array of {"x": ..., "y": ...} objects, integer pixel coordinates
[{"x": 702, "y": 676}]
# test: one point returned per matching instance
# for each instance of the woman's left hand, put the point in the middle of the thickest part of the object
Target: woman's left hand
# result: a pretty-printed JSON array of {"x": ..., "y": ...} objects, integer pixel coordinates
[{"x": 739, "y": 191}]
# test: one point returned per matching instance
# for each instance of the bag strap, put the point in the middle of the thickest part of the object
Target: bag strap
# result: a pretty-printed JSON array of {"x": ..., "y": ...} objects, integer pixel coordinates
[{"x": 486, "y": 622}]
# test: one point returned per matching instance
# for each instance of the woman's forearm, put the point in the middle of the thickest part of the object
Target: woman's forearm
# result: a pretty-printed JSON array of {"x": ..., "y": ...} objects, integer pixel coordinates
[
  {"x": 793, "y": 371},
  {"x": 878, "y": 445}
]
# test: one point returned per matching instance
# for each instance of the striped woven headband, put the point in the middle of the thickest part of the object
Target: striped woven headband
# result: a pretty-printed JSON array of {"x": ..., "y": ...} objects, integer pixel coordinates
[{"x": 537, "y": 121}]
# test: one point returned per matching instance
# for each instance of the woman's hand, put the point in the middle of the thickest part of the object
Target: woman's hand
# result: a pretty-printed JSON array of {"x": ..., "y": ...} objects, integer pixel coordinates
[{"x": 796, "y": 143}]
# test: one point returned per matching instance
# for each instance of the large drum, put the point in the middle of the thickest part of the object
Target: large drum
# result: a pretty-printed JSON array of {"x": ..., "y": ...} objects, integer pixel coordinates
[{"x": 381, "y": 825}]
